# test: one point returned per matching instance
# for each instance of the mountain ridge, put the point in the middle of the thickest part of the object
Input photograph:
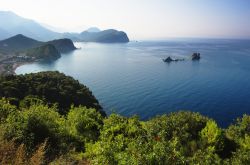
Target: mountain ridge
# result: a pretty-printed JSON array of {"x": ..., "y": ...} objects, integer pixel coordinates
[
  {"x": 20, "y": 42},
  {"x": 11, "y": 24},
  {"x": 19, "y": 49},
  {"x": 14, "y": 24}
]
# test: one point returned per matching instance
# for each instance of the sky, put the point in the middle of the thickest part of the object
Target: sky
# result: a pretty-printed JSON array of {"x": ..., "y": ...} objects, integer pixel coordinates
[{"x": 141, "y": 19}]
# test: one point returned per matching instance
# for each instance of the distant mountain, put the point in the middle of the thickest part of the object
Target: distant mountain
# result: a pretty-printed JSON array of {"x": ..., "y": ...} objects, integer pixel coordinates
[
  {"x": 93, "y": 30},
  {"x": 20, "y": 42},
  {"x": 13, "y": 24},
  {"x": 106, "y": 36}
]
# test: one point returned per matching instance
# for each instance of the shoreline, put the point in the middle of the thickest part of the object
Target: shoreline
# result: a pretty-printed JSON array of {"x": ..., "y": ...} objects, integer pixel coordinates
[
  {"x": 16, "y": 65},
  {"x": 10, "y": 68}
]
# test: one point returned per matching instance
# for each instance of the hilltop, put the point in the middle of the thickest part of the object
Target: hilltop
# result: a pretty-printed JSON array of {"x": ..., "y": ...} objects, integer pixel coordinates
[{"x": 18, "y": 42}]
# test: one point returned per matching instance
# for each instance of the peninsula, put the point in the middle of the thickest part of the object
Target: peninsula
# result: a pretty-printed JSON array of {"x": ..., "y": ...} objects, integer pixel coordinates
[{"x": 20, "y": 49}]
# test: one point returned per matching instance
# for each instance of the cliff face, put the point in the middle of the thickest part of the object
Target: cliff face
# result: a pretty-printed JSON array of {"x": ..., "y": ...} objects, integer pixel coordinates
[{"x": 63, "y": 45}]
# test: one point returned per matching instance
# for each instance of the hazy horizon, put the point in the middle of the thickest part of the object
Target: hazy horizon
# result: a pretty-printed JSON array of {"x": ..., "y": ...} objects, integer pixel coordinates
[{"x": 143, "y": 19}]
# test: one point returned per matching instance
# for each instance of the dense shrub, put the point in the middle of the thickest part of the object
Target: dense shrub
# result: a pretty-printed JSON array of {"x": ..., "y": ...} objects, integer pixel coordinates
[
  {"x": 38, "y": 127},
  {"x": 53, "y": 87},
  {"x": 38, "y": 123}
]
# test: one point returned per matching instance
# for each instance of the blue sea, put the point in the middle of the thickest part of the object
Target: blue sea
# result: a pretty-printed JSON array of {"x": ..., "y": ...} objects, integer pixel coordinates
[{"x": 132, "y": 79}]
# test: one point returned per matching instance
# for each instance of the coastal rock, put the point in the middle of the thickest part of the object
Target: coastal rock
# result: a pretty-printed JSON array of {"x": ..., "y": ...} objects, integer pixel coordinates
[
  {"x": 195, "y": 56},
  {"x": 169, "y": 59}
]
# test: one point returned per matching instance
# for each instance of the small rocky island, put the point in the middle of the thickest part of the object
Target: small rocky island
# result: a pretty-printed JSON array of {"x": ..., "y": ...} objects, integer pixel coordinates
[
  {"x": 194, "y": 57},
  {"x": 169, "y": 59}
]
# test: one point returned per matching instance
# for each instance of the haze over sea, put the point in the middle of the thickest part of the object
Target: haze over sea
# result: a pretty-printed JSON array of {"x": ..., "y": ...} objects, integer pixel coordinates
[{"x": 132, "y": 78}]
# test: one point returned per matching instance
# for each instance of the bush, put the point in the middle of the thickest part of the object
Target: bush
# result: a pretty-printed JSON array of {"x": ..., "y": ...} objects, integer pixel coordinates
[
  {"x": 52, "y": 87},
  {"x": 35, "y": 125}
]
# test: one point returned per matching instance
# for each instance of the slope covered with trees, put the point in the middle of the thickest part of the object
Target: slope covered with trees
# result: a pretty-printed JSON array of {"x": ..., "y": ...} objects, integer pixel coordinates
[
  {"x": 52, "y": 87},
  {"x": 36, "y": 131},
  {"x": 44, "y": 52}
]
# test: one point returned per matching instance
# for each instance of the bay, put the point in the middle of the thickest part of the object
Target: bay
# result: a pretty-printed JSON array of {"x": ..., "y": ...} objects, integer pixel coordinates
[{"x": 131, "y": 79}]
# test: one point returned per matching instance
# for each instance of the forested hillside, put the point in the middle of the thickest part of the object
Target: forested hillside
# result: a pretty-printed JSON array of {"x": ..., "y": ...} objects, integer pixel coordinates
[
  {"x": 52, "y": 87},
  {"x": 39, "y": 126}
]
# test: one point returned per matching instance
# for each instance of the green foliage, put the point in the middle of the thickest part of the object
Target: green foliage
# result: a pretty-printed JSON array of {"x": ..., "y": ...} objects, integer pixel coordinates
[
  {"x": 128, "y": 140},
  {"x": 52, "y": 87},
  {"x": 240, "y": 129},
  {"x": 168, "y": 126},
  {"x": 45, "y": 52},
  {"x": 211, "y": 133},
  {"x": 5, "y": 109},
  {"x": 242, "y": 156},
  {"x": 206, "y": 157},
  {"x": 84, "y": 125},
  {"x": 185, "y": 126},
  {"x": 239, "y": 133},
  {"x": 34, "y": 125},
  {"x": 43, "y": 116},
  {"x": 117, "y": 134},
  {"x": 30, "y": 100}
]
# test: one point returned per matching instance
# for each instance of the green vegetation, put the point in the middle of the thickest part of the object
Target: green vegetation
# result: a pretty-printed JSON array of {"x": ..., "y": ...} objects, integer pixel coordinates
[
  {"x": 37, "y": 131},
  {"x": 51, "y": 87},
  {"x": 45, "y": 52}
]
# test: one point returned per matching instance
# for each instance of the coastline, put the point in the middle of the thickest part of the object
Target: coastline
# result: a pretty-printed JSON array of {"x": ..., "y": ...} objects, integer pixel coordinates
[
  {"x": 16, "y": 65},
  {"x": 10, "y": 68}
]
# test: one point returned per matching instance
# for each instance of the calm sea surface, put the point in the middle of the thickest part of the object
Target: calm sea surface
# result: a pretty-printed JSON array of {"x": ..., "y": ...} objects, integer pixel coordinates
[{"x": 132, "y": 78}]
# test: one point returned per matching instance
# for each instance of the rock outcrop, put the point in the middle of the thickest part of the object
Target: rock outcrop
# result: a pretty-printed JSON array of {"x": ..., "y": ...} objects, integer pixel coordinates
[
  {"x": 169, "y": 59},
  {"x": 195, "y": 56}
]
